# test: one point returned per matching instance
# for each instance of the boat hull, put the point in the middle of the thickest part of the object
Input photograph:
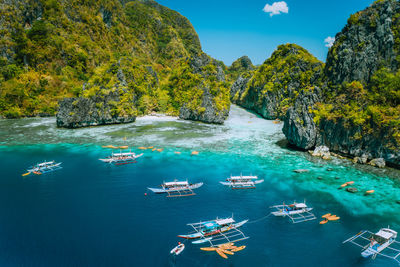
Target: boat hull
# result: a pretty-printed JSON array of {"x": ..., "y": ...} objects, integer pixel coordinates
[
  {"x": 374, "y": 249},
  {"x": 221, "y": 230},
  {"x": 176, "y": 189},
  {"x": 293, "y": 212},
  {"x": 178, "y": 249}
]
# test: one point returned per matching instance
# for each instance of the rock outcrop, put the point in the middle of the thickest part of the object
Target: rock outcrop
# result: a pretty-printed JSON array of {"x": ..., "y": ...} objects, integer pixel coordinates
[
  {"x": 357, "y": 111},
  {"x": 208, "y": 80},
  {"x": 365, "y": 44},
  {"x": 92, "y": 111},
  {"x": 274, "y": 86},
  {"x": 299, "y": 127}
]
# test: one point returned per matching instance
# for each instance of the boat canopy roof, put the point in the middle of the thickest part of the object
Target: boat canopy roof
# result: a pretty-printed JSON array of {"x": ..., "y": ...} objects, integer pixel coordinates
[
  {"x": 385, "y": 233},
  {"x": 45, "y": 163},
  {"x": 176, "y": 183},
  {"x": 242, "y": 177},
  {"x": 300, "y": 205},
  {"x": 123, "y": 154},
  {"x": 209, "y": 225},
  {"x": 224, "y": 221}
]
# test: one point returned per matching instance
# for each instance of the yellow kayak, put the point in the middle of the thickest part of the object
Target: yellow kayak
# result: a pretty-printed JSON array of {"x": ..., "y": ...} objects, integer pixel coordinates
[
  {"x": 344, "y": 185},
  {"x": 177, "y": 152},
  {"x": 154, "y": 149},
  {"x": 227, "y": 251},
  {"x": 25, "y": 174},
  {"x": 238, "y": 248},
  {"x": 123, "y": 147},
  {"x": 195, "y": 152},
  {"x": 369, "y": 191},
  {"x": 326, "y": 215},
  {"x": 150, "y": 147},
  {"x": 324, "y": 221},
  {"x": 160, "y": 149},
  {"x": 222, "y": 254},
  {"x": 142, "y": 148},
  {"x": 350, "y": 183},
  {"x": 333, "y": 218},
  {"x": 209, "y": 249},
  {"x": 225, "y": 245}
]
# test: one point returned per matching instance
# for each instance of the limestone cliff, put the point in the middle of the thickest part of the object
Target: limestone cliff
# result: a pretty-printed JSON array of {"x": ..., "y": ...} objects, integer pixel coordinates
[
  {"x": 358, "y": 111},
  {"x": 273, "y": 87}
]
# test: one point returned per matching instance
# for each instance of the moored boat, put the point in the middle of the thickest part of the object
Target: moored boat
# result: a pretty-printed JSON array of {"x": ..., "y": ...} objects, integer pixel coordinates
[
  {"x": 44, "y": 167},
  {"x": 121, "y": 158},
  {"x": 295, "y": 208},
  {"x": 297, "y": 212},
  {"x": 242, "y": 182},
  {"x": 205, "y": 231},
  {"x": 374, "y": 244},
  {"x": 176, "y": 188}
]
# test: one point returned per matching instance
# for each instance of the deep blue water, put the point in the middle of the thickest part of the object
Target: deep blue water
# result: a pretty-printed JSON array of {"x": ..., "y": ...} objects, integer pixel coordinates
[{"x": 94, "y": 214}]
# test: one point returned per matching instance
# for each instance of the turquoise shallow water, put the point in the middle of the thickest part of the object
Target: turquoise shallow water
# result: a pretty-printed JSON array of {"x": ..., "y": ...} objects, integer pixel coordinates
[{"x": 92, "y": 214}]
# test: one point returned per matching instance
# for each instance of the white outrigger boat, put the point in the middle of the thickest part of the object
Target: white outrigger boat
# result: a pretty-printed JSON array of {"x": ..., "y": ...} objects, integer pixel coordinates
[
  {"x": 176, "y": 188},
  {"x": 373, "y": 244},
  {"x": 297, "y": 212},
  {"x": 242, "y": 182},
  {"x": 216, "y": 232},
  {"x": 121, "y": 158},
  {"x": 44, "y": 167}
]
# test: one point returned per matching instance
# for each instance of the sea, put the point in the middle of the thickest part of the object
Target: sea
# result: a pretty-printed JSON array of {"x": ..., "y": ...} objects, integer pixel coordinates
[{"x": 91, "y": 213}]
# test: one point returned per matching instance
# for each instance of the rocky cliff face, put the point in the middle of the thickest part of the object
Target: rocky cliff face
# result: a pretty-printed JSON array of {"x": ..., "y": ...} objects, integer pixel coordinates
[
  {"x": 214, "y": 105},
  {"x": 365, "y": 44},
  {"x": 354, "y": 141},
  {"x": 299, "y": 126},
  {"x": 357, "y": 113},
  {"x": 274, "y": 86},
  {"x": 92, "y": 111}
]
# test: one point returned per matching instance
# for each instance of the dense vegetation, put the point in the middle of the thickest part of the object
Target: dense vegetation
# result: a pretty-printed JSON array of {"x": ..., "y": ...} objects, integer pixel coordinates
[
  {"x": 54, "y": 49},
  {"x": 371, "y": 99},
  {"x": 275, "y": 85},
  {"x": 239, "y": 67}
]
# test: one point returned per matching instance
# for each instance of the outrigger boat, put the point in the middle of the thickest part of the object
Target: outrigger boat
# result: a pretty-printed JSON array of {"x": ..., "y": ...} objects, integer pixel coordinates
[
  {"x": 177, "y": 188},
  {"x": 216, "y": 232},
  {"x": 121, "y": 158},
  {"x": 242, "y": 182},
  {"x": 297, "y": 212},
  {"x": 373, "y": 244},
  {"x": 44, "y": 167}
]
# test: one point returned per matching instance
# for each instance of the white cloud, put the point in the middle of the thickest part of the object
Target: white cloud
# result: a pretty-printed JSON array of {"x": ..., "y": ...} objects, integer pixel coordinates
[
  {"x": 276, "y": 8},
  {"x": 329, "y": 41}
]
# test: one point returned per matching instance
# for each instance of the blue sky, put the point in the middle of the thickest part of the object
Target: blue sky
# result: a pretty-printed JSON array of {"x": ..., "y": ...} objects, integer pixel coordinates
[{"x": 230, "y": 29}]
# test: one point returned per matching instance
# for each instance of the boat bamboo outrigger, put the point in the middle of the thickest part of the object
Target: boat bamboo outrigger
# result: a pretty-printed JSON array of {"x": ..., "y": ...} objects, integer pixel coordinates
[
  {"x": 44, "y": 167},
  {"x": 373, "y": 244},
  {"x": 242, "y": 182},
  {"x": 121, "y": 158},
  {"x": 177, "y": 188},
  {"x": 297, "y": 212},
  {"x": 216, "y": 232}
]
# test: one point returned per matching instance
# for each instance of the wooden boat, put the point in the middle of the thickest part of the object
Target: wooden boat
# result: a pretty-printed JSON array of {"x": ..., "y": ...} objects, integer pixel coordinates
[
  {"x": 216, "y": 232},
  {"x": 44, "y": 167},
  {"x": 297, "y": 212},
  {"x": 242, "y": 182},
  {"x": 176, "y": 188},
  {"x": 121, "y": 158},
  {"x": 374, "y": 244}
]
